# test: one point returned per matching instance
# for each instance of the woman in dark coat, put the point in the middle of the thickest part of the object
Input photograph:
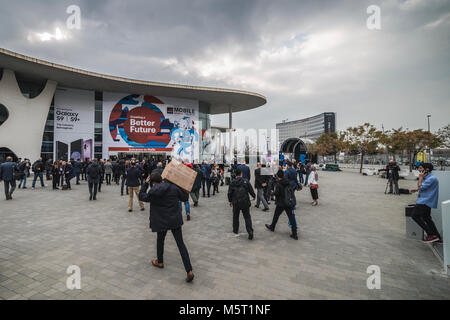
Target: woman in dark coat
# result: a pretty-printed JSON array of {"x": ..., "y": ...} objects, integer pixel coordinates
[
  {"x": 55, "y": 175},
  {"x": 165, "y": 214}
]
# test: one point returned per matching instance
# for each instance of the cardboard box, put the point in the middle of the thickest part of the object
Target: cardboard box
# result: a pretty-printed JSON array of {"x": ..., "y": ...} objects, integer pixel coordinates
[{"x": 179, "y": 174}]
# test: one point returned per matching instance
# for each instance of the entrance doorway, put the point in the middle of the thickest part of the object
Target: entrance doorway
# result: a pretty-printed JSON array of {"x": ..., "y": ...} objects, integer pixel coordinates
[{"x": 159, "y": 156}]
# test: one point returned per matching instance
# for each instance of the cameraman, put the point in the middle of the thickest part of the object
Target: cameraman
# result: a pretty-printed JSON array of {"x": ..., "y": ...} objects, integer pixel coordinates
[
  {"x": 392, "y": 170},
  {"x": 428, "y": 187}
]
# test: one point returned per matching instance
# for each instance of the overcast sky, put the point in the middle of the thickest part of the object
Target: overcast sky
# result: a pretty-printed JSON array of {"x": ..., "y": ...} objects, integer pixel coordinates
[{"x": 306, "y": 57}]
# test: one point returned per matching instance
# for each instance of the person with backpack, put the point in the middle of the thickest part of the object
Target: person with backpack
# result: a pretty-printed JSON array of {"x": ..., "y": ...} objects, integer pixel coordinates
[
  {"x": 285, "y": 200},
  {"x": 93, "y": 172},
  {"x": 165, "y": 215},
  {"x": 301, "y": 171},
  {"x": 38, "y": 169},
  {"x": 8, "y": 170},
  {"x": 24, "y": 167},
  {"x": 314, "y": 185},
  {"x": 238, "y": 198}
]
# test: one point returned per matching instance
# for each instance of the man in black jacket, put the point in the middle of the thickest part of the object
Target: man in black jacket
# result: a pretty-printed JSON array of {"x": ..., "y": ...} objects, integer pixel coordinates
[
  {"x": 260, "y": 185},
  {"x": 134, "y": 175},
  {"x": 165, "y": 214},
  {"x": 7, "y": 171},
  {"x": 195, "y": 192},
  {"x": 38, "y": 169},
  {"x": 238, "y": 192},
  {"x": 93, "y": 172},
  {"x": 280, "y": 189}
]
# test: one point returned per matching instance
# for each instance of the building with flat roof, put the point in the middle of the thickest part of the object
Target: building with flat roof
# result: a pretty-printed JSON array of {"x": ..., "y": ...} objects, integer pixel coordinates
[
  {"x": 308, "y": 128},
  {"x": 59, "y": 112}
]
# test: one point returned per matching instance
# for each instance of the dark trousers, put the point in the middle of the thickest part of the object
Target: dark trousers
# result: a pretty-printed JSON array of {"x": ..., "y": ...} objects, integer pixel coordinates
[
  {"x": 47, "y": 174},
  {"x": 208, "y": 185},
  {"x": 278, "y": 211},
  {"x": 108, "y": 178},
  {"x": 393, "y": 182},
  {"x": 36, "y": 175},
  {"x": 78, "y": 178},
  {"x": 247, "y": 219},
  {"x": 314, "y": 194},
  {"x": 422, "y": 216},
  {"x": 55, "y": 181},
  {"x": 93, "y": 186},
  {"x": 10, "y": 186},
  {"x": 123, "y": 184},
  {"x": 62, "y": 180},
  {"x": 68, "y": 182},
  {"x": 215, "y": 188},
  {"x": 300, "y": 177},
  {"x": 178, "y": 236}
]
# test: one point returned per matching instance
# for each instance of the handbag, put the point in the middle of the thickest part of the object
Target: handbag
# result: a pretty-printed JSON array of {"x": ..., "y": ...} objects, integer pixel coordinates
[{"x": 314, "y": 186}]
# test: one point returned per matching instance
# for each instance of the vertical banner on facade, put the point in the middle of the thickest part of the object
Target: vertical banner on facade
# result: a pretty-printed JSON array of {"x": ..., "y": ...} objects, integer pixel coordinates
[
  {"x": 143, "y": 123},
  {"x": 74, "y": 124}
]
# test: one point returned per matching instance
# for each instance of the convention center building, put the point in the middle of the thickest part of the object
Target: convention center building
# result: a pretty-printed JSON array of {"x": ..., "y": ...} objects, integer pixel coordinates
[{"x": 53, "y": 111}]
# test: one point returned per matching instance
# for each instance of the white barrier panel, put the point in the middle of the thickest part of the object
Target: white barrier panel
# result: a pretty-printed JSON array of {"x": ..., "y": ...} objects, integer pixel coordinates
[{"x": 446, "y": 233}]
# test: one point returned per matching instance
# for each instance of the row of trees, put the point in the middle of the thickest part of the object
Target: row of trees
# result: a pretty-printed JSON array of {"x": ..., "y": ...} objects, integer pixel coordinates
[{"x": 366, "y": 139}]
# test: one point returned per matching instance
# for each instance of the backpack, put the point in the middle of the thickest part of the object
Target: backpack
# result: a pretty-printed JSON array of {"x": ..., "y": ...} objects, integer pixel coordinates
[
  {"x": 242, "y": 196},
  {"x": 36, "y": 167},
  {"x": 93, "y": 172},
  {"x": 289, "y": 197}
]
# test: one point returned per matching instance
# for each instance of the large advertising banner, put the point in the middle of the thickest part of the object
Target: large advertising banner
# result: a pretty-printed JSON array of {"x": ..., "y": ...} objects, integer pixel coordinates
[
  {"x": 74, "y": 124},
  {"x": 145, "y": 123}
]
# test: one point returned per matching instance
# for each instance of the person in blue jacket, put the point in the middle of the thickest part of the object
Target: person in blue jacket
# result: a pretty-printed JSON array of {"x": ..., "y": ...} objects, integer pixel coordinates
[
  {"x": 428, "y": 188},
  {"x": 206, "y": 171},
  {"x": 245, "y": 170},
  {"x": 68, "y": 173},
  {"x": 7, "y": 170}
]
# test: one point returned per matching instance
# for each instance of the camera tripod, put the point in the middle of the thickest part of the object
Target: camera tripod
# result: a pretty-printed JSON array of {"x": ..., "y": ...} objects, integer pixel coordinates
[{"x": 387, "y": 185}]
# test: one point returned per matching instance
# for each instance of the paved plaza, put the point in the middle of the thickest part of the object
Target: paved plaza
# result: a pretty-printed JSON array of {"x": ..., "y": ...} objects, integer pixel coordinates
[{"x": 354, "y": 226}]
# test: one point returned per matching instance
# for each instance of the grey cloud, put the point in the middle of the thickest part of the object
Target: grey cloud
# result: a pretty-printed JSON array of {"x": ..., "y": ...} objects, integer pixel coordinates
[{"x": 305, "y": 56}]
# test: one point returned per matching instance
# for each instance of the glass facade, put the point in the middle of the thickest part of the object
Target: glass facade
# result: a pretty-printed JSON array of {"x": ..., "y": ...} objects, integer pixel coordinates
[
  {"x": 310, "y": 128},
  {"x": 98, "y": 126}
]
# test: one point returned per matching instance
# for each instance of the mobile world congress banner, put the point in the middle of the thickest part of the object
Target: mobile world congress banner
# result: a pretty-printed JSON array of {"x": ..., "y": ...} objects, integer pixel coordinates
[
  {"x": 74, "y": 124},
  {"x": 144, "y": 123}
]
